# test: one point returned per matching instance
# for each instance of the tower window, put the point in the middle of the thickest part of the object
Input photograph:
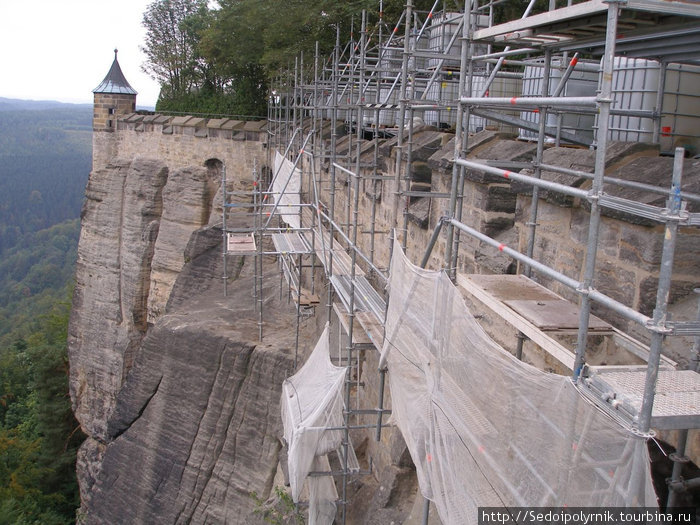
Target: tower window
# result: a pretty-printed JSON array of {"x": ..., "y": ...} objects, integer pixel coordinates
[{"x": 111, "y": 111}]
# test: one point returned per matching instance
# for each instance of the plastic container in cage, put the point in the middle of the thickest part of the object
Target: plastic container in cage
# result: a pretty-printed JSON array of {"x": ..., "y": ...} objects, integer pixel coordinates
[
  {"x": 418, "y": 44},
  {"x": 583, "y": 82},
  {"x": 635, "y": 87},
  {"x": 499, "y": 88},
  {"x": 446, "y": 92},
  {"x": 391, "y": 62},
  {"x": 443, "y": 27},
  {"x": 388, "y": 97}
]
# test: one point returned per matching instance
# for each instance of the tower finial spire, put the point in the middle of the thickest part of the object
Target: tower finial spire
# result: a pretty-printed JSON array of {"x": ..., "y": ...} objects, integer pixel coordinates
[{"x": 115, "y": 82}]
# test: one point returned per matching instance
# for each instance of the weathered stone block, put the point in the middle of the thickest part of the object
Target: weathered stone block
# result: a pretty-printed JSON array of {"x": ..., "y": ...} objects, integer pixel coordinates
[
  {"x": 616, "y": 282},
  {"x": 649, "y": 286},
  {"x": 641, "y": 246}
]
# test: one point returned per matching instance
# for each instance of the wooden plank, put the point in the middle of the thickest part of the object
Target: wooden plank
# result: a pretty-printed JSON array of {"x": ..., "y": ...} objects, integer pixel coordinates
[
  {"x": 555, "y": 314},
  {"x": 373, "y": 328},
  {"x": 358, "y": 336},
  {"x": 308, "y": 298},
  {"x": 512, "y": 287},
  {"x": 537, "y": 336},
  {"x": 636, "y": 348},
  {"x": 240, "y": 243}
]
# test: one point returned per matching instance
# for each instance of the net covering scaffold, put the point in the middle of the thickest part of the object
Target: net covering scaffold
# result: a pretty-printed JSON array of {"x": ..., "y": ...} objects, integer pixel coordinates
[
  {"x": 312, "y": 412},
  {"x": 485, "y": 429},
  {"x": 285, "y": 188}
]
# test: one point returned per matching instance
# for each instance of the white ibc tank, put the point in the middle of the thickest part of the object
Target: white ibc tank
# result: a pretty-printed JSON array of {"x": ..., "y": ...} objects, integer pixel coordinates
[
  {"x": 500, "y": 87},
  {"x": 635, "y": 84},
  {"x": 444, "y": 92},
  {"x": 443, "y": 26},
  {"x": 581, "y": 83},
  {"x": 392, "y": 58},
  {"x": 418, "y": 44},
  {"x": 388, "y": 116}
]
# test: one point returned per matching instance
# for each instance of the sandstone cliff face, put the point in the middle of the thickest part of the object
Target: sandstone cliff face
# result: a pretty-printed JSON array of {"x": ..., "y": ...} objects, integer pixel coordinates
[
  {"x": 187, "y": 201},
  {"x": 180, "y": 402},
  {"x": 195, "y": 427},
  {"x": 120, "y": 224}
]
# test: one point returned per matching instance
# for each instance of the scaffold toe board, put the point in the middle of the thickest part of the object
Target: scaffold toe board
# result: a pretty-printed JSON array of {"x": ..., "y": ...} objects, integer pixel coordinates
[
  {"x": 240, "y": 244},
  {"x": 358, "y": 336},
  {"x": 676, "y": 403},
  {"x": 307, "y": 298}
]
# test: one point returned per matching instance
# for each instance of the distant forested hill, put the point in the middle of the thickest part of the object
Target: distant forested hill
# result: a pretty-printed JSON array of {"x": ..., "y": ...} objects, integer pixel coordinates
[{"x": 45, "y": 159}]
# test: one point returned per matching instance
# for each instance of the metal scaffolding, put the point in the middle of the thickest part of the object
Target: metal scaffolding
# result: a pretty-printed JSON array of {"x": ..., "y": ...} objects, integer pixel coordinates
[{"x": 338, "y": 119}]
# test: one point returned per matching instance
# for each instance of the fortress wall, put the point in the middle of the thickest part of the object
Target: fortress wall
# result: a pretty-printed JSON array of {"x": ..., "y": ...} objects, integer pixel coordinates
[{"x": 180, "y": 146}]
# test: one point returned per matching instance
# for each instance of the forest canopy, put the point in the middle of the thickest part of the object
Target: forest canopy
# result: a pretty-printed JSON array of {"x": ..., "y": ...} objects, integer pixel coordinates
[{"x": 221, "y": 59}]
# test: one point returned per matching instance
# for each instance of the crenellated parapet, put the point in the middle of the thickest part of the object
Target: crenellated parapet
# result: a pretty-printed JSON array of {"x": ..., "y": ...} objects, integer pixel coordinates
[
  {"x": 181, "y": 141},
  {"x": 199, "y": 127}
]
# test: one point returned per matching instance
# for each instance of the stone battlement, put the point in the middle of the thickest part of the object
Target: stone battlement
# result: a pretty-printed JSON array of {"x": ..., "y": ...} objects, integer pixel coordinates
[{"x": 180, "y": 141}]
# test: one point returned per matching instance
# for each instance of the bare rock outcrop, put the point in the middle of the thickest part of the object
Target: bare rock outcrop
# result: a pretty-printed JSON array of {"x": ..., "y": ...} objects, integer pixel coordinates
[
  {"x": 178, "y": 399},
  {"x": 187, "y": 203},
  {"x": 195, "y": 428},
  {"x": 120, "y": 223}
]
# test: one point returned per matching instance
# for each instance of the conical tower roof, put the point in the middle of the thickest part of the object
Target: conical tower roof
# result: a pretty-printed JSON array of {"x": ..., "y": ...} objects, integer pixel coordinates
[{"x": 115, "y": 82}]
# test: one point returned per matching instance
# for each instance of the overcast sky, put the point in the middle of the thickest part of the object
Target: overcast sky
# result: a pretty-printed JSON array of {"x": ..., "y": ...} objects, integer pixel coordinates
[{"x": 62, "y": 49}]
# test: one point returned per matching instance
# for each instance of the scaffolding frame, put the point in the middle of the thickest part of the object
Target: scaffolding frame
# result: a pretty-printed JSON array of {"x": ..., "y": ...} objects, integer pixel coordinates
[{"x": 357, "y": 85}]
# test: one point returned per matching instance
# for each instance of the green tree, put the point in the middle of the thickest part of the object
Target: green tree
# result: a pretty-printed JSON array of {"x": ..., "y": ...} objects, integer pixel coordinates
[{"x": 171, "y": 44}]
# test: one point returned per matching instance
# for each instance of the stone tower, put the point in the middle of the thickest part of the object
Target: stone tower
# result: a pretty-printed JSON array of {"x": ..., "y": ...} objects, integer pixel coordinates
[{"x": 113, "y": 97}]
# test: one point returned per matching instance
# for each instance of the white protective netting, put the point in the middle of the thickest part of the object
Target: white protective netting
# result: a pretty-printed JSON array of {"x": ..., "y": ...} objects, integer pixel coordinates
[
  {"x": 312, "y": 403},
  {"x": 485, "y": 429},
  {"x": 285, "y": 190}
]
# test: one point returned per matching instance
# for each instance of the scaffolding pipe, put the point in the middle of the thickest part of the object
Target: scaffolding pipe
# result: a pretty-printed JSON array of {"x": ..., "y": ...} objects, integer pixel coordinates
[
  {"x": 407, "y": 177},
  {"x": 597, "y": 189},
  {"x": 534, "y": 203},
  {"x": 402, "y": 114},
  {"x": 694, "y": 197},
  {"x": 528, "y": 179},
  {"x": 431, "y": 243},
  {"x": 662, "y": 293},
  {"x": 530, "y": 101},
  {"x": 353, "y": 268},
  {"x": 532, "y": 223},
  {"x": 463, "y": 132},
  {"x": 380, "y": 413},
  {"x": 594, "y": 295},
  {"x": 505, "y": 53},
  {"x": 676, "y": 485},
  {"x": 223, "y": 226},
  {"x": 460, "y": 144},
  {"x": 334, "y": 141},
  {"x": 565, "y": 77},
  {"x": 375, "y": 153}
]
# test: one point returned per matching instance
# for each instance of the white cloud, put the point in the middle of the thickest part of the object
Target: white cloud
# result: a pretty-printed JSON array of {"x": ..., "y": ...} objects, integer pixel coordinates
[{"x": 61, "y": 50}]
